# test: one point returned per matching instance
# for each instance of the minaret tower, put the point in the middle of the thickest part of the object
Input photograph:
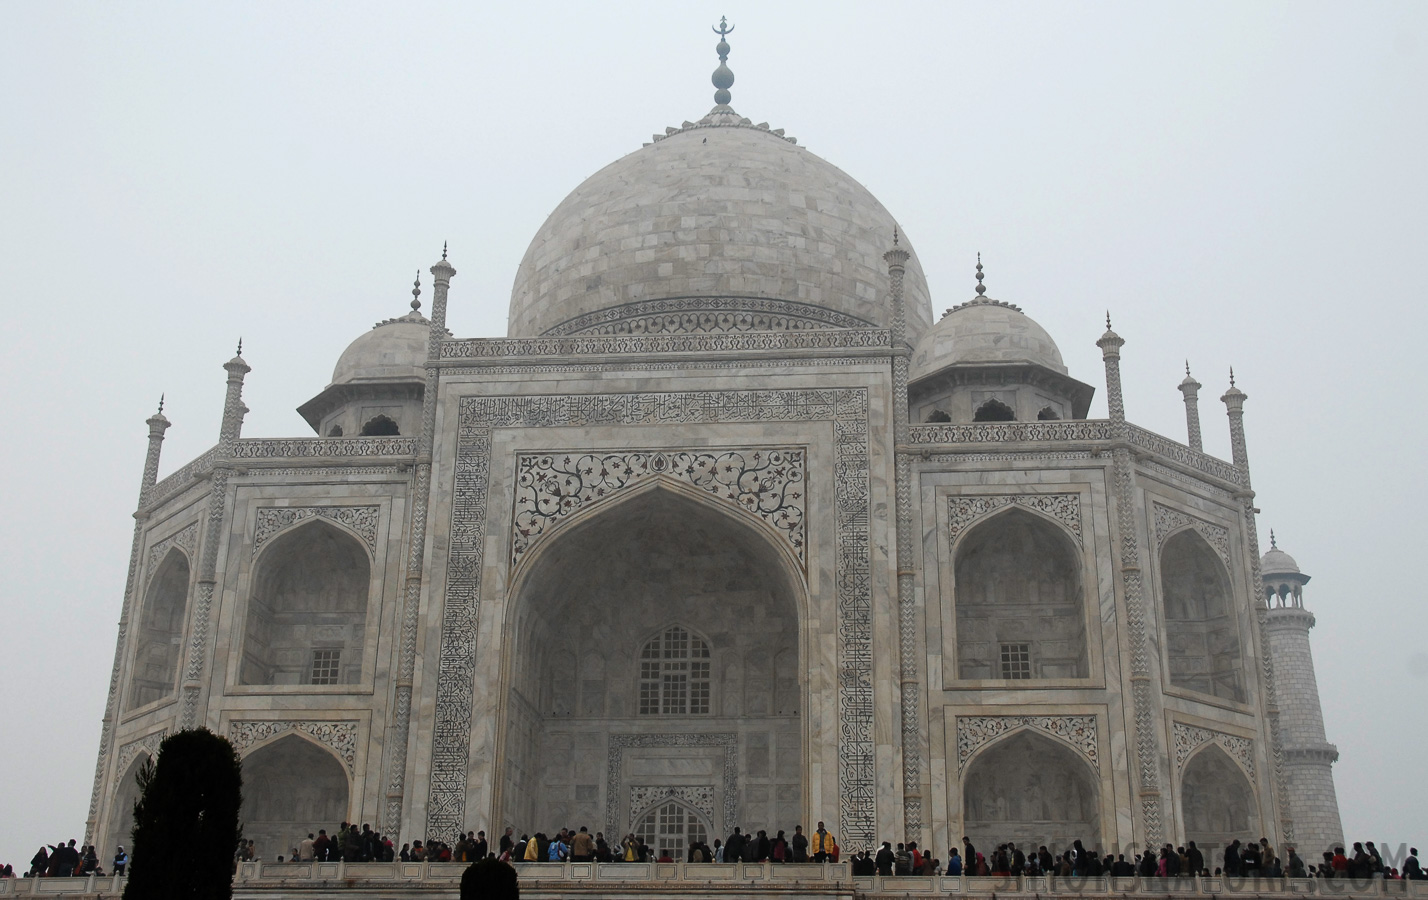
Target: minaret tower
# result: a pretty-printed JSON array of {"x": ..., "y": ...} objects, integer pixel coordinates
[{"x": 1308, "y": 756}]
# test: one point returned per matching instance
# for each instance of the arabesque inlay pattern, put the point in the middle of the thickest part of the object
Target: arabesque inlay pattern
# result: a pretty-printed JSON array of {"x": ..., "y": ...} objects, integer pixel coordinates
[
  {"x": 615, "y": 772},
  {"x": 340, "y": 736},
  {"x": 186, "y": 539},
  {"x": 962, "y": 511},
  {"x": 706, "y": 315},
  {"x": 1077, "y": 731},
  {"x": 769, "y": 483},
  {"x": 1189, "y": 738},
  {"x": 362, "y": 520},
  {"x": 698, "y": 796},
  {"x": 1168, "y": 520}
]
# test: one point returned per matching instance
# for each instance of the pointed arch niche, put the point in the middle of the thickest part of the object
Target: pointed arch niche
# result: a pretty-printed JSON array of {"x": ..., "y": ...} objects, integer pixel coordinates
[
  {"x": 1202, "y": 637},
  {"x": 660, "y": 568},
  {"x": 292, "y": 786},
  {"x": 125, "y": 796},
  {"x": 1217, "y": 801},
  {"x": 1020, "y": 601},
  {"x": 307, "y": 611},
  {"x": 1032, "y": 790},
  {"x": 161, "y": 627}
]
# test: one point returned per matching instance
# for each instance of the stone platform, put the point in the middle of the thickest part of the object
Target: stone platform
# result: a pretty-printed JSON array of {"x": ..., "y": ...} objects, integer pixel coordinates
[{"x": 653, "y": 881}]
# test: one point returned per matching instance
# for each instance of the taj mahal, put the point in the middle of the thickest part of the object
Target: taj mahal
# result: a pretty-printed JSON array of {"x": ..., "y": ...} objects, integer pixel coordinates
[{"x": 734, "y": 527}]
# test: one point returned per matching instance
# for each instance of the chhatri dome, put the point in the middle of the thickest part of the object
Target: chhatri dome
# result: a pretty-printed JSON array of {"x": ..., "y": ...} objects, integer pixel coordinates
[{"x": 718, "y": 225}]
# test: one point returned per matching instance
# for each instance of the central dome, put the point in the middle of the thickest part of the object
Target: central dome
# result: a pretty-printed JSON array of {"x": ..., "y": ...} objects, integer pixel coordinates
[{"x": 718, "y": 226}]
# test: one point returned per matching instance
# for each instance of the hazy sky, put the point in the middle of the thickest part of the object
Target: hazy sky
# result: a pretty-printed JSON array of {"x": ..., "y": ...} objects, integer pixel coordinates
[{"x": 1240, "y": 183}]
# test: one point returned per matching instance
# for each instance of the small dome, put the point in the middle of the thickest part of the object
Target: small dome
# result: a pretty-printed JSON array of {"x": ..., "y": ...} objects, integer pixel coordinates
[
  {"x": 393, "y": 349},
  {"x": 1277, "y": 562},
  {"x": 984, "y": 331}
]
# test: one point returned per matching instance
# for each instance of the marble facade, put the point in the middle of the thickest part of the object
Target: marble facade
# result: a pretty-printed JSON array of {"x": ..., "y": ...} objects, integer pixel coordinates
[{"x": 728, "y": 527}]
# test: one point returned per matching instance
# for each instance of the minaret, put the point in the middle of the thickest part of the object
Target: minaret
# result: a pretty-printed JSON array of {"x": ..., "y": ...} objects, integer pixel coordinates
[
  {"x": 1191, "y": 389},
  {"x": 1147, "y": 749},
  {"x": 1308, "y": 756}
]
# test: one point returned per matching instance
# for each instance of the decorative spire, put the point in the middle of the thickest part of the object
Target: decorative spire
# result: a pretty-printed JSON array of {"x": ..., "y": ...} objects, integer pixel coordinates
[
  {"x": 416, "y": 286},
  {"x": 161, "y": 404},
  {"x": 981, "y": 288},
  {"x": 443, "y": 253},
  {"x": 1187, "y": 368},
  {"x": 723, "y": 76},
  {"x": 1232, "y": 376},
  {"x": 240, "y": 346},
  {"x": 1273, "y": 545},
  {"x": 1108, "y": 320},
  {"x": 894, "y": 235}
]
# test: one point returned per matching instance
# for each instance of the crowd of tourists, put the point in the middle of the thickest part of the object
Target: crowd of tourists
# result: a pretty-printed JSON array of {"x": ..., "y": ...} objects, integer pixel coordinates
[{"x": 348, "y": 843}]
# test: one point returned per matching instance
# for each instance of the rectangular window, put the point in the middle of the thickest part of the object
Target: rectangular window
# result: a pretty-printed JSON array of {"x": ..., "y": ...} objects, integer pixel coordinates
[
  {"x": 326, "y": 666},
  {"x": 675, "y": 693},
  {"x": 1016, "y": 661},
  {"x": 699, "y": 688},
  {"x": 649, "y": 688}
]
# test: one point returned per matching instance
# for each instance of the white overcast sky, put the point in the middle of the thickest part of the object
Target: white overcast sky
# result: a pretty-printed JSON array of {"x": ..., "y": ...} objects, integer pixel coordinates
[{"x": 1240, "y": 183}]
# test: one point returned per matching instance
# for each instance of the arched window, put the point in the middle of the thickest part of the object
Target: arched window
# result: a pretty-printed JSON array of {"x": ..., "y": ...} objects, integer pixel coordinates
[
  {"x": 1019, "y": 600},
  {"x": 1047, "y": 414},
  {"x": 307, "y": 615},
  {"x": 379, "y": 426},
  {"x": 335, "y": 431},
  {"x": 938, "y": 415},
  {"x": 994, "y": 411},
  {"x": 669, "y": 829},
  {"x": 1202, "y": 637},
  {"x": 674, "y": 675}
]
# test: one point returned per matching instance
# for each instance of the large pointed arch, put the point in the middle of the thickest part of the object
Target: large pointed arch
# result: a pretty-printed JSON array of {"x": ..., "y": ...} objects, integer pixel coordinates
[
  {"x": 657, "y": 555},
  {"x": 1217, "y": 800},
  {"x": 1019, "y": 598},
  {"x": 669, "y": 825},
  {"x": 162, "y": 621},
  {"x": 306, "y": 617},
  {"x": 1203, "y": 646},
  {"x": 1032, "y": 789},
  {"x": 292, "y": 786},
  {"x": 126, "y": 794}
]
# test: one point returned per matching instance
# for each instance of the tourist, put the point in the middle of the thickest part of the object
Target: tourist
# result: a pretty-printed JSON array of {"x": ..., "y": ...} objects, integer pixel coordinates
[
  {"x": 780, "y": 852},
  {"x": 902, "y": 860},
  {"x": 800, "y": 845},
  {"x": 1412, "y": 870},
  {"x": 821, "y": 845},
  {"x": 582, "y": 846},
  {"x": 734, "y": 846},
  {"x": 718, "y": 851},
  {"x": 954, "y": 861},
  {"x": 40, "y": 862},
  {"x": 121, "y": 860}
]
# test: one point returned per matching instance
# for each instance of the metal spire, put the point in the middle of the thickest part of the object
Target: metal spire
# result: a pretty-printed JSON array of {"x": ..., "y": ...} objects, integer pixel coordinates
[
  {"x": 1273, "y": 545},
  {"x": 161, "y": 404},
  {"x": 981, "y": 288},
  {"x": 1232, "y": 376},
  {"x": 894, "y": 235},
  {"x": 416, "y": 286},
  {"x": 240, "y": 346},
  {"x": 723, "y": 76},
  {"x": 1108, "y": 320},
  {"x": 443, "y": 252}
]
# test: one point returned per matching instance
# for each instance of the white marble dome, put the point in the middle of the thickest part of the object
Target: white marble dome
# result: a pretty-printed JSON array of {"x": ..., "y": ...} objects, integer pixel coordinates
[
  {"x": 395, "y": 348},
  {"x": 718, "y": 226},
  {"x": 984, "y": 331},
  {"x": 1277, "y": 562}
]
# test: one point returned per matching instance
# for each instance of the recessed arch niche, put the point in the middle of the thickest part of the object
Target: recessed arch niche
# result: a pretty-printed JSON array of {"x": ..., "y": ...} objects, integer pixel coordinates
[
  {"x": 307, "y": 612},
  {"x": 1031, "y": 790},
  {"x": 121, "y": 829},
  {"x": 1019, "y": 599},
  {"x": 1201, "y": 633},
  {"x": 291, "y": 787},
  {"x": 670, "y": 826},
  {"x": 585, "y": 605},
  {"x": 161, "y": 627},
  {"x": 1217, "y": 801}
]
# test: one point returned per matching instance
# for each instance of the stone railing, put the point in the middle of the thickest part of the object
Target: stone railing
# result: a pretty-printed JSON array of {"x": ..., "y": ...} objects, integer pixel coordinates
[
  {"x": 553, "y": 880},
  {"x": 621, "y": 344},
  {"x": 1055, "y": 431},
  {"x": 323, "y": 448},
  {"x": 1179, "y": 453},
  {"x": 185, "y": 476}
]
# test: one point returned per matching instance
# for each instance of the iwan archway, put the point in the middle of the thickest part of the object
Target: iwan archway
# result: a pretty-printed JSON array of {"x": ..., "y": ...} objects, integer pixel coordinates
[{"x": 653, "y": 653}]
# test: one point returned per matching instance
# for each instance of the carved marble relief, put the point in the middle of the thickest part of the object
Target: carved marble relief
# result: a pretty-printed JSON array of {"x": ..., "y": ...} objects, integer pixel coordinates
[
  {"x": 363, "y": 521},
  {"x": 615, "y": 769},
  {"x": 962, "y": 511},
  {"x": 698, "y": 796},
  {"x": 1189, "y": 738},
  {"x": 768, "y": 483},
  {"x": 1079, "y": 732},
  {"x": 1168, "y": 520},
  {"x": 186, "y": 540},
  {"x": 148, "y": 744},
  {"x": 340, "y": 736}
]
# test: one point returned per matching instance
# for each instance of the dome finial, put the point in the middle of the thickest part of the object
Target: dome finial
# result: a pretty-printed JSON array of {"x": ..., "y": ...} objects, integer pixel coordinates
[
  {"x": 894, "y": 235},
  {"x": 161, "y": 404},
  {"x": 723, "y": 76},
  {"x": 1108, "y": 320},
  {"x": 981, "y": 288},
  {"x": 240, "y": 346},
  {"x": 416, "y": 290},
  {"x": 1187, "y": 368},
  {"x": 1232, "y": 376},
  {"x": 1273, "y": 545},
  {"x": 443, "y": 252}
]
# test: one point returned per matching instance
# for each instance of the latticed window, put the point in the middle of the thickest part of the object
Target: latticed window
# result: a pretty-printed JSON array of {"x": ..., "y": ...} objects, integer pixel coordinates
[
  {"x": 674, "y": 675},
  {"x": 1016, "y": 660},
  {"x": 669, "y": 828},
  {"x": 326, "y": 667}
]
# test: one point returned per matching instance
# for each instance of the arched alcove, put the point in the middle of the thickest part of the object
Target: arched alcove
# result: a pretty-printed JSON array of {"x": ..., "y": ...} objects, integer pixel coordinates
[
  {"x": 161, "y": 626},
  {"x": 126, "y": 794},
  {"x": 291, "y": 787},
  {"x": 380, "y": 426},
  {"x": 1217, "y": 802},
  {"x": 307, "y": 613},
  {"x": 669, "y": 826},
  {"x": 653, "y": 580},
  {"x": 1032, "y": 790},
  {"x": 1019, "y": 600},
  {"x": 1201, "y": 633},
  {"x": 994, "y": 410}
]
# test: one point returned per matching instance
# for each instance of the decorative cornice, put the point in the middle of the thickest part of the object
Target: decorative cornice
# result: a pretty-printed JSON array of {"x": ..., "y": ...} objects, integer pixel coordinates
[
  {"x": 630, "y": 344},
  {"x": 309, "y": 448},
  {"x": 1179, "y": 453},
  {"x": 1054, "y": 431},
  {"x": 182, "y": 478},
  {"x": 706, "y": 315}
]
